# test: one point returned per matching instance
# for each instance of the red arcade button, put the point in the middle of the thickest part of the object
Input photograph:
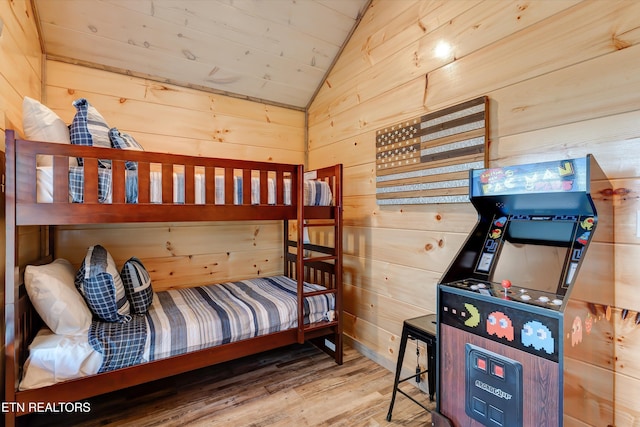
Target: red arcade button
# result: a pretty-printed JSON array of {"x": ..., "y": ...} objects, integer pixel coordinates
[
  {"x": 497, "y": 370},
  {"x": 481, "y": 363}
]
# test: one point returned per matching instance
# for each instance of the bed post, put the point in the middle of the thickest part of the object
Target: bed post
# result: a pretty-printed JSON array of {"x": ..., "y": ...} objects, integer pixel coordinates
[
  {"x": 285, "y": 249},
  {"x": 10, "y": 277},
  {"x": 299, "y": 186},
  {"x": 338, "y": 263}
]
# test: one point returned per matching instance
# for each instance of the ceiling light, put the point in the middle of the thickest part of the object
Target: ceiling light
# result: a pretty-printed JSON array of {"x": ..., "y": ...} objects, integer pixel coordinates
[{"x": 443, "y": 50}]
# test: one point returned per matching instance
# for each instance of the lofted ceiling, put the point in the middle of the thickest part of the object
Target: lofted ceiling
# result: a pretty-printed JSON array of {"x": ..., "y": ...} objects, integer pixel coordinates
[{"x": 274, "y": 51}]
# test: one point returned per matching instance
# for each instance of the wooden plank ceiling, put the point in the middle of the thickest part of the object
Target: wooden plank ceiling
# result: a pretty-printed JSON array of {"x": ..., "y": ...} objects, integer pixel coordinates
[{"x": 275, "y": 51}]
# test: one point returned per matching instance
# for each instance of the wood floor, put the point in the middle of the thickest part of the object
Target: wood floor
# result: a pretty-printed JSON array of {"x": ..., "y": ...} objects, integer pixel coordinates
[{"x": 291, "y": 387}]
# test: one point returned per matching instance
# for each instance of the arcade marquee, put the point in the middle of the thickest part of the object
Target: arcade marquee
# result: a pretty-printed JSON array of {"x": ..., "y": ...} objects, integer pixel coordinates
[{"x": 521, "y": 336}]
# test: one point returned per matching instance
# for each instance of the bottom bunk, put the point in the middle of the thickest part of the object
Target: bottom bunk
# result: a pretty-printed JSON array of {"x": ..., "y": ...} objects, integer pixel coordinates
[
  {"x": 183, "y": 329},
  {"x": 178, "y": 321}
]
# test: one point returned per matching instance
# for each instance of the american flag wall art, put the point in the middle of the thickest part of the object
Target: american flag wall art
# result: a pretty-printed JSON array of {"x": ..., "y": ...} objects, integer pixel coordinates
[{"x": 427, "y": 159}]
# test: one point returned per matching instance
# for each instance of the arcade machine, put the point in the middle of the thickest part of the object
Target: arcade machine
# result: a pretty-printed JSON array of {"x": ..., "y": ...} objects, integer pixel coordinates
[{"x": 523, "y": 331}]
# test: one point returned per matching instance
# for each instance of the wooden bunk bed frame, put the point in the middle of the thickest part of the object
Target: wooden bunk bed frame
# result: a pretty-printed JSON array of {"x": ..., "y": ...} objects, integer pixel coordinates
[{"x": 22, "y": 322}]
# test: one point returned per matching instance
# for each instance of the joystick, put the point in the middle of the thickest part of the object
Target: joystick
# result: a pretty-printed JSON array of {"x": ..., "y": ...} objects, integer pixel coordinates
[{"x": 506, "y": 284}]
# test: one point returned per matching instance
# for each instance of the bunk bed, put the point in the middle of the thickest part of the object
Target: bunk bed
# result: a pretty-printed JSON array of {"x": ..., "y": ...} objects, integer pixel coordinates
[{"x": 173, "y": 188}]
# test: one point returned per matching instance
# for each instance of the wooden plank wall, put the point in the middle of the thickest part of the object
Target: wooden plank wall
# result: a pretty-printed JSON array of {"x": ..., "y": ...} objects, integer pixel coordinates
[
  {"x": 20, "y": 75},
  {"x": 21, "y": 69},
  {"x": 174, "y": 119},
  {"x": 563, "y": 81},
  {"x": 563, "y": 78}
]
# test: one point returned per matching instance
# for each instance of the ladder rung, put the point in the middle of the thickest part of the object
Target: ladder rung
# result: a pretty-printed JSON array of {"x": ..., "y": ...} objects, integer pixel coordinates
[
  {"x": 322, "y": 292},
  {"x": 320, "y": 258},
  {"x": 320, "y": 325}
]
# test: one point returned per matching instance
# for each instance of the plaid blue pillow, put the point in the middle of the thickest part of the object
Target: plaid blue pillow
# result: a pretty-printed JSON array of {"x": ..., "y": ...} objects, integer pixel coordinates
[
  {"x": 89, "y": 128},
  {"x": 76, "y": 185},
  {"x": 100, "y": 284},
  {"x": 137, "y": 285},
  {"x": 121, "y": 344},
  {"x": 124, "y": 141}
]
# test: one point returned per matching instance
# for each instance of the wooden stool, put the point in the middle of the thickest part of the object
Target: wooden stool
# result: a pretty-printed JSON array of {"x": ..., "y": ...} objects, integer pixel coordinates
[{"x": 423, "y": 329}]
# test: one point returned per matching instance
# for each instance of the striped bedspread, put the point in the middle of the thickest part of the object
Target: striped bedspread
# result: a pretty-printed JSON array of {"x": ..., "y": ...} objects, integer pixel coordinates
[
  {"x": 185, "y": 320},
  {"x": 317, "y": 193}
]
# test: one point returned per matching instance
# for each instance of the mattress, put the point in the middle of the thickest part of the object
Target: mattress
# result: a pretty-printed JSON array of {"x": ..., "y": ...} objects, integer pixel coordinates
[
  {"x": 180, "y": 321},
  {"x": 316, "y": 193}
]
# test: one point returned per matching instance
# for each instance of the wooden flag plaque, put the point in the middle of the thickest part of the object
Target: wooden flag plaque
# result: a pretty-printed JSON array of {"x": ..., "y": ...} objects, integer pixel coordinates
[{"x": 427, "y": 159}]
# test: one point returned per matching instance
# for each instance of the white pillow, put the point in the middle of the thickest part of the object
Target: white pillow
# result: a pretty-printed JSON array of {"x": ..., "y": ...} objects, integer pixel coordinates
[
  {"x": 39, "y": 123},
  {"x": 52, "y": 292},
  {"x": 55, "y": 358}
]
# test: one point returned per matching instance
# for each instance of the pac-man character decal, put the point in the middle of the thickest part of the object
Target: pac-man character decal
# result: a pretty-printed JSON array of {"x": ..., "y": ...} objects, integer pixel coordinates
[
  {"x": 535, "y": 334},
  {"x": 583, "y": 239},
  {"x": 500, "y": 222},
  {"x": 474, "y": 315},
  {"x": 470, "y": 314},
  {"x": 495, "y": 233},
  {"x": 500, "y": 325},
  {"x": 588, "y": 323},
  {"x": 576, "y": 331},
  {"x": 587, "y": 223},
  {"x": 491, "y": 244}
]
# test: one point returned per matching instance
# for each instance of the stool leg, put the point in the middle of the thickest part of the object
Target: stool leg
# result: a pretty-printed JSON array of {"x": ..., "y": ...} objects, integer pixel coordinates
[
  {"x": 432, "y": 371},
  {"x": 401, "y": 349}
]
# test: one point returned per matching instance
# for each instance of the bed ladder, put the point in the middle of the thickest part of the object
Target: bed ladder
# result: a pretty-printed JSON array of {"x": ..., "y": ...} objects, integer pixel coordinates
[{"x": 320, "y": 264}]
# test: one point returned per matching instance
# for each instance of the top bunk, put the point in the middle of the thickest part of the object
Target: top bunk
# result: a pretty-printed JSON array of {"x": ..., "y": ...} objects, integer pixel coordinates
[{"x": 58, "y": 184}]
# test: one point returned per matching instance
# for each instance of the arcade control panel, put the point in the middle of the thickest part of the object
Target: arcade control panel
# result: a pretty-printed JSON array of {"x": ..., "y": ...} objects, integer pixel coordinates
[
  {"x": 507, "y": 291},
  {"x": 526, "y": 327}
]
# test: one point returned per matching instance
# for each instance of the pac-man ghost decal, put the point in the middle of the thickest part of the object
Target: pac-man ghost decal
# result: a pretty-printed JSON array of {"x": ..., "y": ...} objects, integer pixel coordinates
[
  {"x": 500, "y": 325},
  {"x": 535, "y": 334},
  {"x": 576, "y": 331}
]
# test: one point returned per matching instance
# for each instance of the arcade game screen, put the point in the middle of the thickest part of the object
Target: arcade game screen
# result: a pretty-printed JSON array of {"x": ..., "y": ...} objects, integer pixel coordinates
[{"x": 534, "y": 254}]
